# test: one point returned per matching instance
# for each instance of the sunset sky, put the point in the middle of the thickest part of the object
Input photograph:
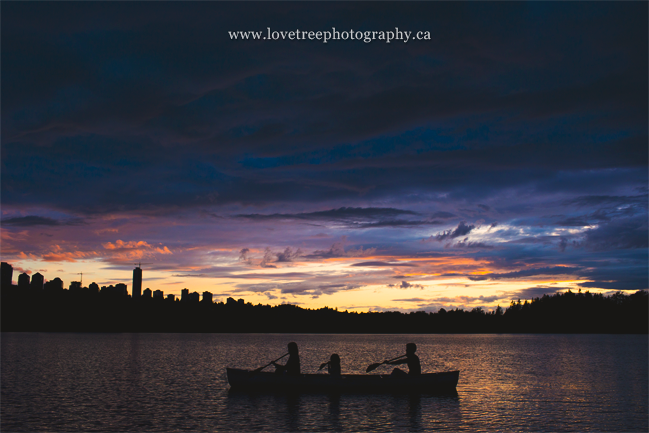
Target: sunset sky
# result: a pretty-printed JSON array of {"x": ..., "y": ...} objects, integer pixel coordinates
[{"x": 504, "y": 158}]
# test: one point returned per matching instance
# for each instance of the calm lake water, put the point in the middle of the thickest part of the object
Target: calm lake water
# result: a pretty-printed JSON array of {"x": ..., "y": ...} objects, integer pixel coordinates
[{"x": 173, "y": 382}]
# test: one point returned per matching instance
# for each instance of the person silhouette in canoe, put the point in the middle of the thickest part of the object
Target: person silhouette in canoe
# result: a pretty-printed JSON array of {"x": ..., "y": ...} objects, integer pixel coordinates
[
  {"x": 293, "y": 364},
  {"x": 333, "y": 366},
  {"x": 414, "y": 367}
]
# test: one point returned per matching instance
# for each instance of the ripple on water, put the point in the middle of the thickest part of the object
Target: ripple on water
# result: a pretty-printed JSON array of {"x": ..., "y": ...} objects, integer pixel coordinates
[{"x": 174, "y": 382}]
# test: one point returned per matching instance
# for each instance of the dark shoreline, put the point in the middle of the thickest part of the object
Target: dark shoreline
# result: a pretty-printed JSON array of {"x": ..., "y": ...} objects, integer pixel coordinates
[{"x": 563, "y": 313}]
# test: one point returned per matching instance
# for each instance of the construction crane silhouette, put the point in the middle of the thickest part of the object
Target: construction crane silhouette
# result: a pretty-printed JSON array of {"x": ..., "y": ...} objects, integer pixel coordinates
[
  {"x": 80, "y": 282},
  {"x": 139, "y": 265}
]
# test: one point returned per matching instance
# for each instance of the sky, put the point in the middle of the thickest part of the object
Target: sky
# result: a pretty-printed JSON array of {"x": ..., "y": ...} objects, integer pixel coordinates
[{"x": 501, "y": 156}]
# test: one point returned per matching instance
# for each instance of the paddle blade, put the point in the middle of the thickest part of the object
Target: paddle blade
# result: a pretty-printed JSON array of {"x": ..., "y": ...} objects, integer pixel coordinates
[
  {"x": 373, "y": 366},
  {"x": 257, "y": 370},
  {"x": 323, "y": 365}
]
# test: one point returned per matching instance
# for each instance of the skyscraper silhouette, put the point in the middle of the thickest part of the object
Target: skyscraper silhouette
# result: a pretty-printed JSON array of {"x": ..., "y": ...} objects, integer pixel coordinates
[
  {"x": 37, "y": 281},
  {"x": 23, "y": 280},
  {"x": 7, "y": 274},
  {"x": 137, "y": 282}
]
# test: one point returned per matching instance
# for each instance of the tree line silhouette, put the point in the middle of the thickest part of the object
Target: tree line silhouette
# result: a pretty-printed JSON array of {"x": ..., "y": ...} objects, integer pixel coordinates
[{"x": 85, "y": 311}]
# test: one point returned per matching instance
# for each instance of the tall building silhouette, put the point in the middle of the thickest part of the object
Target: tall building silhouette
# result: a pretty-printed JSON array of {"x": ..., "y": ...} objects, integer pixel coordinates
[
  {"x": 23, "y": 280},
  {"x": 121, "y": 289},
  {"x": 137, "y": 282},
  {"x": 7, "y": 274},
  {"x": 37, "y": 281},
  {"x": 184, "y": 295},
  {"x": 55, "y": 285}
]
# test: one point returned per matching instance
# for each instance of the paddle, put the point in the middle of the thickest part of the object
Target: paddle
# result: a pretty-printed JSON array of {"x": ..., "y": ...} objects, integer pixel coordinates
[
  {"x": 261, "y": 368},
  {"x": 323, "y": 365},
  {"x": 375, "y": 365}
]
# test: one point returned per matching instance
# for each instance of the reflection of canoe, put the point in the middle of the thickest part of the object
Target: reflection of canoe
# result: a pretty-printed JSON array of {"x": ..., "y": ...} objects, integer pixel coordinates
[{"x": 430, "y": 382}]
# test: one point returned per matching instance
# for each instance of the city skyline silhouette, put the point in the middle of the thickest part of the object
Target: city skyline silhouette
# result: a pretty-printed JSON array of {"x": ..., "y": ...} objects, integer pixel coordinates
[{"x": 34, "y": 306}]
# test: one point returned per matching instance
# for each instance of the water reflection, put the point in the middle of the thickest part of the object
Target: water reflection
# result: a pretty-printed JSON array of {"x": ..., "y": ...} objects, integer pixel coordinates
[
  {"x": 414, "y": 411},
  {"x": 334, "y": 411},
  {"x": 291, "y": 411},
  {"x": 177, "y": 382}
]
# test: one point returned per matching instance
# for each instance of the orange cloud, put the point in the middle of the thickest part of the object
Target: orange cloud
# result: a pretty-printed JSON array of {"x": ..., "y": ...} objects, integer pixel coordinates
[
  {"x": 70, "y": 256},
  {"x": 134, "y": 249},
  {"x": 119, "y": 244},
  {"x": 30, "y": 256}
]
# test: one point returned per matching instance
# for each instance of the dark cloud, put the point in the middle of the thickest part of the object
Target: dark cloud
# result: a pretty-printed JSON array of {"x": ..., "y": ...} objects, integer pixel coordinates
[
  {"x": 619, "y": 234},
  {"x": 410, "y": 300},
  {"x": 538, "y": 291},
  {"x": 244, "y": 255},
  {"x": 470, "y": 299},
  {"x": 257, "y": 276},
  {"x": 616, "y": 285},
  {"x": 382, "y": 264},
  {"x": 350, "y": 217},
  {"x": 556, "y": 270},
  {"x": 579, "y": 221},
  {"x": 307, "y": 288},
  {"x": 603, "y": 215},
  {"x": 394, "y": 223},
  {"x": 598, "y": 200},
  {"x": 442, "y": 214},
  {"x": 288, "y": 255},
  {"x": 338, "y": 250},
  {"x": 461, "y": 230},
  {"x": 290, "y": 123},
  {"x": 563, "y": 243},
  {"x": 34, "y": 220},
  {"x": 343, "y": 213},
  {"x": 627, "y": 273},
  {"x": 406, "y": 285},
  {"x": 268, "y": 258}
]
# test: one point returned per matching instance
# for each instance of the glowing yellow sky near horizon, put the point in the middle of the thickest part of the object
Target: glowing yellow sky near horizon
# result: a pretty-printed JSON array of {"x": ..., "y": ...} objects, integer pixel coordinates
[{"x": 428, "y": 290}]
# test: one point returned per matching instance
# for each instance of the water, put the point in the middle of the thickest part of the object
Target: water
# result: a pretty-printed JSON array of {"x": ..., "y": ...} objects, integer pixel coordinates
[{"x": 174, "y": 382}]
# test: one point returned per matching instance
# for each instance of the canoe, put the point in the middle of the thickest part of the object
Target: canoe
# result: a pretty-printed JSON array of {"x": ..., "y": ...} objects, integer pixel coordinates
[{"x": 269, "y": 381}]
